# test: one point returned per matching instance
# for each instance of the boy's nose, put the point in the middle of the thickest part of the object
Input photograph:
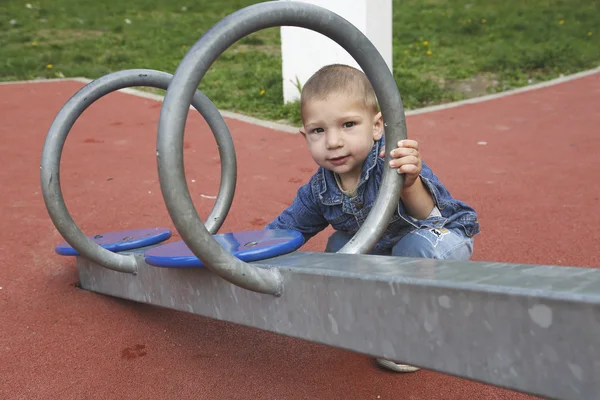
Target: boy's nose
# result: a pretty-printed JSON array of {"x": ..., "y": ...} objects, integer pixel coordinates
[{"x": 334, "y": 140}]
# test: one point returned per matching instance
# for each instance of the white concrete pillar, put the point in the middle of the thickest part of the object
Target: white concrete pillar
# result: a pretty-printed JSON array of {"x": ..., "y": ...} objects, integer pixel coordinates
[{"x": 304, "y": 52}]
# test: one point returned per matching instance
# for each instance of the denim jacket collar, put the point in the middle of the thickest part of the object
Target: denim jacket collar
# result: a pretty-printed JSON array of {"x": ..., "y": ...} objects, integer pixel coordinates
[{"x": 328, "y": 190}]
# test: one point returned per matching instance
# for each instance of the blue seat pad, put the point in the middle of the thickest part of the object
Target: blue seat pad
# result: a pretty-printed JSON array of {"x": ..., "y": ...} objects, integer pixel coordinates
[
  {"x": 121, "y": 240},
  {"x": 247, "y": 246}
]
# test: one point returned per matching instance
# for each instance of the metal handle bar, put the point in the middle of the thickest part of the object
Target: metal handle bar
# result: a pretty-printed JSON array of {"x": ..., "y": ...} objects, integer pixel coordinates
[{"x": 187, "y": 77}]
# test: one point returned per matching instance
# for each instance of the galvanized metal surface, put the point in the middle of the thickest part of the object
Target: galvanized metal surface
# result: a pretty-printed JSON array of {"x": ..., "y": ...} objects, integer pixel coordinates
[
  {"x": 64, "y": 121},
  {"x": 172, "y": 125},
  {"x": 525, "y": 327}
]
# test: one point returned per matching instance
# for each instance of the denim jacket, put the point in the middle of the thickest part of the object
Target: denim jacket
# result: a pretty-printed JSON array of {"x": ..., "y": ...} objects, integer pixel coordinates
[{"x": 320, "y": 203}]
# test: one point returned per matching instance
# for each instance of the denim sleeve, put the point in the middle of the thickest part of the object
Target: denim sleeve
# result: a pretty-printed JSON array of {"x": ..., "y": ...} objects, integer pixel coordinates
[
  {"x": 439, "y": 193},
  {"x": 303, "y": 215}
]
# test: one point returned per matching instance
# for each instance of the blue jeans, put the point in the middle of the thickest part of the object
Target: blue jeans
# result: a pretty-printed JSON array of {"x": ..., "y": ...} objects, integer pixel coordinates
[{"x": 439, "y": 243}]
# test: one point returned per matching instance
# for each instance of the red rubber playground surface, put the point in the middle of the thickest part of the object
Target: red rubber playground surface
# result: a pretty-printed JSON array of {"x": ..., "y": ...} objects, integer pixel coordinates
[{"x": 528, "y": 162}]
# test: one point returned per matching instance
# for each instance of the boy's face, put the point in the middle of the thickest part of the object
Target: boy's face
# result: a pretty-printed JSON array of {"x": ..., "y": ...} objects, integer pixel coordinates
[{"x": 340, "y": 132}]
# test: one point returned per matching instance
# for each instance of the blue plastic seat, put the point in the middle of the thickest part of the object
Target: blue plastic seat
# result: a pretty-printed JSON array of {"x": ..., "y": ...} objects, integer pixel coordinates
[
  {"x": 122, "y": 240},
  {"x": 247, "y": 246}
]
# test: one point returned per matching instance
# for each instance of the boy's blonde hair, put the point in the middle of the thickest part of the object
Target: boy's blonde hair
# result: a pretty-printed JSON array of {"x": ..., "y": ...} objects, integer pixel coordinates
[{"x": 341, "y": 79}]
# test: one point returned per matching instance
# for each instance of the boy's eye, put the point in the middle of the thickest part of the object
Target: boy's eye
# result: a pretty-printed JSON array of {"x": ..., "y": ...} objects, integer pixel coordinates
[
  {"x": 318, "y": 130},
  {"x": 349, "y": 124}
]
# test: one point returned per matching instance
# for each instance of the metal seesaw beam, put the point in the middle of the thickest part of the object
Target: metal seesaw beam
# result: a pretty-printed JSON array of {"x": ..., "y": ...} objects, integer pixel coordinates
[{"x": 529, "y": 328}]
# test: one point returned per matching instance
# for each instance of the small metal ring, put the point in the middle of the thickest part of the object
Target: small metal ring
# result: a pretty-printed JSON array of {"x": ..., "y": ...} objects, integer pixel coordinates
[{"x": 57, "y": 135}]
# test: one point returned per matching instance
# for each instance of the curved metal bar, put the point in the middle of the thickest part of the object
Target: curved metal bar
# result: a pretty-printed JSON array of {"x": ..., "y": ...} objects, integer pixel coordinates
[
  {"x": 172, "y": 124},
  {"x": 57, "y": 135}
]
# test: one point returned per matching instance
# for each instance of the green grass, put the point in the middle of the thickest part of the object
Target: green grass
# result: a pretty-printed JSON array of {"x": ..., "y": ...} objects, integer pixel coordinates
[{"x": 443, "y": 50}]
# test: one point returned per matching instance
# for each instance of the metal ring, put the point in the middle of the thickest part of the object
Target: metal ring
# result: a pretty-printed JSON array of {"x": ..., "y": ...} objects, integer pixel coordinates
[
  {"x": 172, "y": 124},
  {"x": 57, "y": 135}
]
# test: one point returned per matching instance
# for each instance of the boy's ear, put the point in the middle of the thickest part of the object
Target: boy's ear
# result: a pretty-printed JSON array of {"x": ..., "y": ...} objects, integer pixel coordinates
[
  {"x": 377, "y": 126},
  {"x": 302, "y": 131}
]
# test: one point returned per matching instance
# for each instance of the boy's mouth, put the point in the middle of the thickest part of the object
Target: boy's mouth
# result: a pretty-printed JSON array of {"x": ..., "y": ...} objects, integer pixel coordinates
[{"x": 338, "y": 160}]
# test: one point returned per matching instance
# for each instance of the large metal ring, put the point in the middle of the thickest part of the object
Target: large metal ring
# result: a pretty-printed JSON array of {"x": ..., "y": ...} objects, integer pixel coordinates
[
  {"x": 177, "y": 100},
  {"x": 57, "y": 135}
]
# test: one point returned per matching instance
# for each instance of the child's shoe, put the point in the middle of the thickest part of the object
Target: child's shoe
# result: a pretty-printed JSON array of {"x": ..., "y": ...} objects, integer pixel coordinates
[{"x": 396, "y": 367}]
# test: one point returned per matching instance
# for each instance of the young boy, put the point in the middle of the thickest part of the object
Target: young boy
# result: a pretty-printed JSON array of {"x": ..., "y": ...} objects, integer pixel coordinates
[{"x": 344, "y": 133}]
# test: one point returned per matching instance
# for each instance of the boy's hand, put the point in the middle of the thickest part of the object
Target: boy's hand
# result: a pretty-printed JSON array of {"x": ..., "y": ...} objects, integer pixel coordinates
[{"x": 406, "y": 159}]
